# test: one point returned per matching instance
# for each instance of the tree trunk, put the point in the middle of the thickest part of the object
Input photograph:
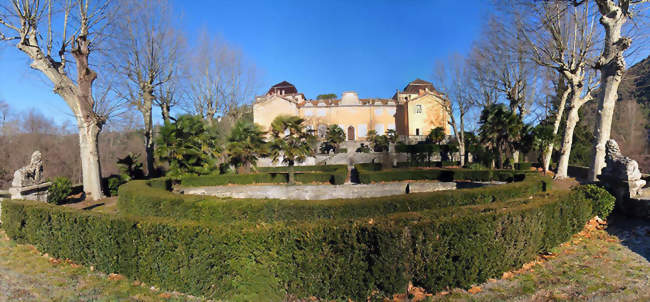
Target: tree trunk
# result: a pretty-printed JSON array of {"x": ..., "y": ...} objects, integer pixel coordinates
[
  {"x": 149, "y": 145},
  {"x": 556, "y": 127},
  {"x": 515, "y": 157},
  {"x": 461, "y": 149},
  {"x": 146, "y": 110},
  {"x": 165, "y": 111},
  {"x": 89, "y": 154},
  {"x": 292, "y": 174},
  {"x": 611, "y": 65},
  {"x": 567, "y": 142}
]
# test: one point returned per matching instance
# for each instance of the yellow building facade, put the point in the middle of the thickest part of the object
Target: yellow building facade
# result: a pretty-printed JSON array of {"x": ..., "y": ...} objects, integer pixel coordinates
[{"x": 412, "y": 112}]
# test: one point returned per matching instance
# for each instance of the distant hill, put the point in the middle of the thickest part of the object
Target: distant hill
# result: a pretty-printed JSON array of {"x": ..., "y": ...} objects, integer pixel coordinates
[{"x": 636, "y": 83}]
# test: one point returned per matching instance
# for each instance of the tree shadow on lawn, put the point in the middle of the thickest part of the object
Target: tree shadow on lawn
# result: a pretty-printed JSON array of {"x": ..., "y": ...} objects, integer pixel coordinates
[{"x": 633, "y": 232}]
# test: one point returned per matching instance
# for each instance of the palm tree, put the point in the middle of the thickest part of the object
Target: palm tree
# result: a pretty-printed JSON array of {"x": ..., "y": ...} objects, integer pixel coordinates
[
  {"x": 379, "y": 142},
  {"x": 245, "y": 145},
  {"x": 500, "y": 130},
  {"x": 334, "y": 137},
  {"x": 437, "y": 135},
  {"x": 391, "y": 134},
  {"x": 291, "y": 141},
  {"x": 189, "y": 146}
]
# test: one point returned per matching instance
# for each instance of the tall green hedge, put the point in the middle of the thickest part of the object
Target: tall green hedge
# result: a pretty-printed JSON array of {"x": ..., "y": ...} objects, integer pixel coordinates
[
  {"x": 138, "y": 198},
  {"x": 369, "y": 173},
  {"x": 330, "y": 259}
]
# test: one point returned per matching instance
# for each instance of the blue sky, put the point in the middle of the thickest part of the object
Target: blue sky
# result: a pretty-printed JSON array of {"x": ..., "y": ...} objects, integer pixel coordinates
[{"x": 372, "y": 47}]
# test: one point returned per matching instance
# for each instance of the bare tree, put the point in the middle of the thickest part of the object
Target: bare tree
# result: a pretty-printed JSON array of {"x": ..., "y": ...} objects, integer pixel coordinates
[
  {"x": 453, "y": 77},
  {"x": 561, "y": 37},
  {"x": 78, "y": 24},
  {"x": 220, "y": 80},
  {"x": 147, "y": 56},
  {"x": 611, "y": 64}
]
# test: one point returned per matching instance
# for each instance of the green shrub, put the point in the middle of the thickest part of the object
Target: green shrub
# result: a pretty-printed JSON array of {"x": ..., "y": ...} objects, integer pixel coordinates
[
  {"x": 113, "y": 183},
  {"x": 188, "y": 145},
  {"x": 59, "y": 191},
  {"x": 603, "y": 202},
  {"x": 330, "y": 259},
  {"x": 130, "y": 167},
  {"x": 138, "y": 198}
]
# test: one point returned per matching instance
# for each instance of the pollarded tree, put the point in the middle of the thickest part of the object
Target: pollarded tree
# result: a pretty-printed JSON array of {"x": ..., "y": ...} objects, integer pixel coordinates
[
  {"x": 188, "y": 145},
  {"x": 611, "y": 64},
  {"x": 33, "y": 24},
  {"x": 290, "y": 141},
  {"x": 561, "y": 37},
  {"x": 245, "y": 145}
]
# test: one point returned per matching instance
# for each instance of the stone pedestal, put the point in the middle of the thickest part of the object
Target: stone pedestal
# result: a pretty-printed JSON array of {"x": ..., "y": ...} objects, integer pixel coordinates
[
  {"x": 622, "y": 178},
  {"x": 33, "y": 192}
]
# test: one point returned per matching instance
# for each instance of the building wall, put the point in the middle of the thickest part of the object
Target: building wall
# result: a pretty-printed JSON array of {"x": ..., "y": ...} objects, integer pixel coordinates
[
  {"x": 362, "y": 117},
  {"x": 425, "y": 113},
  {"x": 265, "y": 112}
]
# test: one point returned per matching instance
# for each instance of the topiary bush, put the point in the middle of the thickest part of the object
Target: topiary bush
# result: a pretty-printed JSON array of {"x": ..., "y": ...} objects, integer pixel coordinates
[
  {"x": 603, "y": 201},
  {"x": 372, "y": 173},
  {"x": 333, "y": 259},
  {"x": 149, "y": 198},
  {"x": 59, "y": 190}
]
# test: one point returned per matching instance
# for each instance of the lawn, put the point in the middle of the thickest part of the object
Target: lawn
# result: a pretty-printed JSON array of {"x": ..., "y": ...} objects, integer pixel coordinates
[{"x": 28, "y": 275}]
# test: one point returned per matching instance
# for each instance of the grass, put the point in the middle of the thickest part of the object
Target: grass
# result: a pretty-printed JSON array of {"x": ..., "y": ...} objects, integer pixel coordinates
[{"x": 28, "y": 275}]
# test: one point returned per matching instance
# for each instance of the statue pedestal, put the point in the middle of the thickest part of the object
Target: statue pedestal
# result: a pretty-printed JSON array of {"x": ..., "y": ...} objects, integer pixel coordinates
[{"x": 33, "y": 192}]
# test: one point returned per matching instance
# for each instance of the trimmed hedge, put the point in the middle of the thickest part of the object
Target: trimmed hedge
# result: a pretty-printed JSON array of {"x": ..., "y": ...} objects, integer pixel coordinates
[
  {"x": 369, "y": 173},
  {"x": 329, "y": 259},
  {"x": 138, "y": 198},
  {"x": 318, "y": 168},
  {"x": 524, "y": 166},
  {"x": 335, "y": 174}
]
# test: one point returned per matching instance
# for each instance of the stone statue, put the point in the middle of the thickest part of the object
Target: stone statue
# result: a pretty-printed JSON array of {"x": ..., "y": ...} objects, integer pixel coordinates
[
  {"x": 31, "y": 174},
  {"x": 621, "y": 169},
  {"x": 28, "y": 181}
]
